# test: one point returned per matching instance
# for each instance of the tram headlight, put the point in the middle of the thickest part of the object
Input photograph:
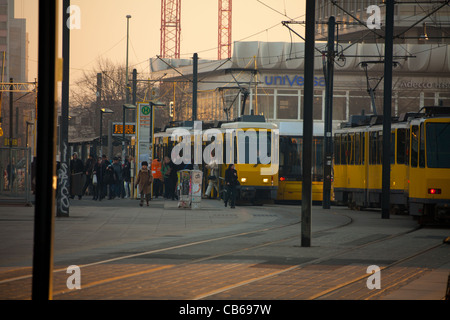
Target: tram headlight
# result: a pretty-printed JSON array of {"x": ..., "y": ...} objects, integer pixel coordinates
[
  {"x": 265, "y": 180},
  {"x": 243, "y": 180}
]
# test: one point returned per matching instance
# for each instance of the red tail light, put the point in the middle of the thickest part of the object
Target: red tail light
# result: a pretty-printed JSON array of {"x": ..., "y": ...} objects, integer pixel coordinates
[
  {"x": 282, "y": 178},
  {"x": 434, "y": 191}
]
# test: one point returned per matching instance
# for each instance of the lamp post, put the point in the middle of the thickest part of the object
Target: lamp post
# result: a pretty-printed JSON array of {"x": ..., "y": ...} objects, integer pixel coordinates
[
  {"x": 102, "y": 111},
  {"x": 128, "y": 36},
  {"x": 131, "y": 107}
]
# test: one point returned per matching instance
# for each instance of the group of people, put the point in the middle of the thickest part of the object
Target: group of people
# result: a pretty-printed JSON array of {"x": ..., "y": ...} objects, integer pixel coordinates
[
  {"x": 104, "y": 178},
  {"x": 112, "y": 179}
]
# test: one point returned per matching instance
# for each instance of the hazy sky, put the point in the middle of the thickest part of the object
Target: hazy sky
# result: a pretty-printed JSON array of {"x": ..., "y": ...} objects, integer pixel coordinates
[{"x": 104, "y": 28}]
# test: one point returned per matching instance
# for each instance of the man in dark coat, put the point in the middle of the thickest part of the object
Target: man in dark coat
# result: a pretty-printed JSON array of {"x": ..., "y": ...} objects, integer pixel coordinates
[
  {"x": 77, "y": 176},
  {"x": 89, "y": 166},
  {"x": 231, "y": 181}
]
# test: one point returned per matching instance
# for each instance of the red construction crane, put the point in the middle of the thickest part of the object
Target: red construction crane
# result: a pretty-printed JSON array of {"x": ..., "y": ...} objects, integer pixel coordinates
[
  {"x": 170, "y": 29},
  {"x": 224, "y": 49}
]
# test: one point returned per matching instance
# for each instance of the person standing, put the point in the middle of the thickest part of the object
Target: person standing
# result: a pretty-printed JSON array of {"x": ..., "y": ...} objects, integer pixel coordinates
[
  {"x": 126, "y": 175},
  {"x": 165, "y": 172},
  {"x": 231, "y": 181},
  {"x": 144, "y": 182},
  {"x": 89, "y": 166},
  {"x": 157, "y": 177},
  {"x": 105, "y": 177},
  {"x": 118, "y": 182},
  {"x": 77, "y": 175},
  {"x": 97, "y": 188}
]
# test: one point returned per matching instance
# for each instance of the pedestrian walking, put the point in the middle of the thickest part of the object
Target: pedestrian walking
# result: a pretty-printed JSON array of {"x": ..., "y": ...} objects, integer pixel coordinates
[
  {"x": 144, "y": 182},
  {"x": 231, "y": 182}
]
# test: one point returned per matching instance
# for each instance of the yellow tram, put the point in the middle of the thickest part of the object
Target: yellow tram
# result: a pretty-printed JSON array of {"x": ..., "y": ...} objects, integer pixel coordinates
[
  {"x": 291, "y": 159},
  {"x": 249, "y": 143},
  {"x": 420, "y": 163}
]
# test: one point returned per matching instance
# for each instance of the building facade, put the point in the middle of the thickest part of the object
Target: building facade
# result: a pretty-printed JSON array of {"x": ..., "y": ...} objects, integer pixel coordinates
[{"x": 269, "y": 77}]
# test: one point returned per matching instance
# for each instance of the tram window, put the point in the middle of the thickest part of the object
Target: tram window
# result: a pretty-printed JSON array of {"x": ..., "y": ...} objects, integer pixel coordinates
[
  {"x": 252, "y": 150},
  {"x": 291, "y": 157},
  {"x": 414, "y": 145},
  {"x": 351, "y": 148},
  {"x": 344, "y": 149},
  {"x": 401, "y": 146},
  {"x": 358, "y": 148},
  {"x": 363, "y": 147},
  {"x": 317, "y": 164},
  {"x": 392, "y": 154},
  {"x": 379, "y": 148},
  {"x": 372, "y": 147},
  {"x": 337, "y": 149},
  {"x": 422, "y": 147},
  {"x": 438, "y": 145}
]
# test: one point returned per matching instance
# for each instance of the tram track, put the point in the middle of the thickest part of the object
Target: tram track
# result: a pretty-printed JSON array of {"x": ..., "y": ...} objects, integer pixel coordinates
[
  {"x": 123, "y": 258},
  {"x": 329, "y": 292},
  {"x": 124, "y": 275}
]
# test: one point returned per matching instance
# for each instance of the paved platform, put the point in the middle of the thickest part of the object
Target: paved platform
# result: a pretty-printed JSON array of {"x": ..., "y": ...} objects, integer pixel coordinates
[{"x": 98, "y": 231}]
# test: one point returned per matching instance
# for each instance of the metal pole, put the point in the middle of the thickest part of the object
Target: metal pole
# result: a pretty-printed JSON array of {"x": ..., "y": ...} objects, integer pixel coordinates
[
  {"x": 194, "y": 87},
  {"x": 99, "y": 100},
  {"x": 308, "y": 124},
  {"x": 101, "y": 133},
  {"x": 11, "y": 112},
  {"x": 328, "y": 147},
  {"x": 123, "y": 133},
  {"x": 46, "y": 151},
  {"x": 133, "y": 118},
  {"x": 128, "y": 36},
  {"x": 387, "y": 101},
  {"x": 63, "y": 202}
]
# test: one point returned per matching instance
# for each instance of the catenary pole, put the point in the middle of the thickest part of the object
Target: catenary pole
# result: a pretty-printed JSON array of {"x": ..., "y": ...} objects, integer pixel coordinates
[
  {"x": 308, "y": 124},
  {"x": 387, "y": 101},
  {"x": 46, "y": 152},
  {"x": 328, "y": 140}
]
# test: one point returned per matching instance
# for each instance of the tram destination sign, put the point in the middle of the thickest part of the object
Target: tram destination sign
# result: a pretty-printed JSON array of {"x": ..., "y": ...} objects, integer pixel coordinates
[{"x": 117, "y": 129}]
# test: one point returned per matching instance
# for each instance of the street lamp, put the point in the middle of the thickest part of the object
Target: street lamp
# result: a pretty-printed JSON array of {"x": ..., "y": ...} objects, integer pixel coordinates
[
  {"x": 102, "y": 111},
  {"x": 128, "y": 36},
  {"x": 131, "y": 107}
]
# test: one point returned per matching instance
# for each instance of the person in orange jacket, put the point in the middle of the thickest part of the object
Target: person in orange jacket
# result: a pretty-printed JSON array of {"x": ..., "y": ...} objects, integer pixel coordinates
[{"x": 157, "y": 178}]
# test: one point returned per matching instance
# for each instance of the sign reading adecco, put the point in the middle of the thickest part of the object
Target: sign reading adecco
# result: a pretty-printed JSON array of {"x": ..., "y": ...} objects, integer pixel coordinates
[{"x": 424, "y": 85}]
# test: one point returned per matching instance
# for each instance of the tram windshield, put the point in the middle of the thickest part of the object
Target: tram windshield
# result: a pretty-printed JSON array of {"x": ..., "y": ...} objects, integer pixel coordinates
[
  {"x": 291, "y": 156},
  {"x": 438, "y": 145},
  {"x": 254, "y": 147}
]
